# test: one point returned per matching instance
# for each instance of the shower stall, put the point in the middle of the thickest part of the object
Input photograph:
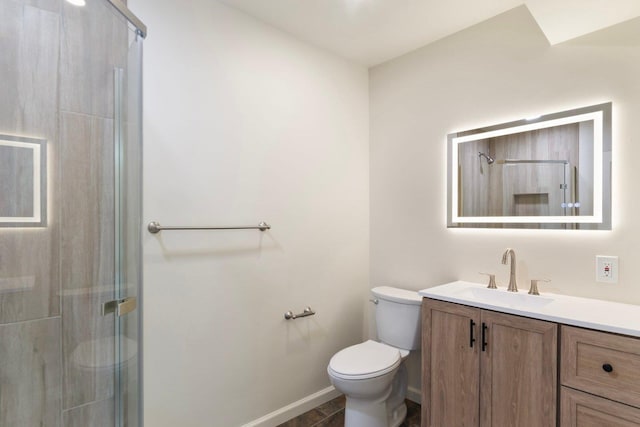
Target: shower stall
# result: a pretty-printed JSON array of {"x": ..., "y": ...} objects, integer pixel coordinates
[{"x": 70, "y": 213}]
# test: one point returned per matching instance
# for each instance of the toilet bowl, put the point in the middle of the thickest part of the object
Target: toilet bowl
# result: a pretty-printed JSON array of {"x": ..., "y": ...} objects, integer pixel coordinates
[
  {"x": 365, "y": 373},
  {"x": 372, "y": 374}
]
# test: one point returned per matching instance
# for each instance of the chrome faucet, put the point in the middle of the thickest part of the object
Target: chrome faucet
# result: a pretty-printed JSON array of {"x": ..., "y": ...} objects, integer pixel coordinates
[{"x": 513, "y": 286}]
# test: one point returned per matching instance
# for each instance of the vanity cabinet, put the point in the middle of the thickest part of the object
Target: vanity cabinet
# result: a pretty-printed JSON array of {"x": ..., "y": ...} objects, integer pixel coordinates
[
  {"x": 484, "y": 368},
  {"x": 600, "y": 378}
]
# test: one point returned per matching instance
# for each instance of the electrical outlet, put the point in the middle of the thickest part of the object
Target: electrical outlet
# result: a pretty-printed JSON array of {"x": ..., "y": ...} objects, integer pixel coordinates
[{"x": 606, "y": 269}]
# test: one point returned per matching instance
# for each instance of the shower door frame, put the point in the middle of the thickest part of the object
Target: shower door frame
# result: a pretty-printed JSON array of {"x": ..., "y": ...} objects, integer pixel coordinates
[{"x": 128, "y": 234}]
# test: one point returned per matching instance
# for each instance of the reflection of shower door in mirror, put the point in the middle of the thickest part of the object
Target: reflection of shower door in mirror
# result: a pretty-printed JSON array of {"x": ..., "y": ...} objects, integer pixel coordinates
[{"x": 536, "y": 188}]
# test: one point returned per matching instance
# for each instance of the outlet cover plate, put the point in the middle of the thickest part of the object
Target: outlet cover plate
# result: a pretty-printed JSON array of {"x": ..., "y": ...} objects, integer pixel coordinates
[{"x": 606, "y": 269}]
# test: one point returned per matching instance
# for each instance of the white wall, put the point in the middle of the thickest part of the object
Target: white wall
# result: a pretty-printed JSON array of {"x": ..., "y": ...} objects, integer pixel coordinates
[
  {"x": 243, "y": 123},
  {"x": 497, "y": 71}
]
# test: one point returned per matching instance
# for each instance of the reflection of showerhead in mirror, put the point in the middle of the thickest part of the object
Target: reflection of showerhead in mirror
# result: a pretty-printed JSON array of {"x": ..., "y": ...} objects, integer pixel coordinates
[{"x": 486, "y": 156}]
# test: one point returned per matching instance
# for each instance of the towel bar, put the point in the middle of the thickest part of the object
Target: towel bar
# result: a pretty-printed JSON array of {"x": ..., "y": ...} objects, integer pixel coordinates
[{"x": 155, "y": 227}]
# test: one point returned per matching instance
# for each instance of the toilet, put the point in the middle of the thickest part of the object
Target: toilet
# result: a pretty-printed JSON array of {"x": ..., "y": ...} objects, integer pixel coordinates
[{"x": 372, "y": 374}]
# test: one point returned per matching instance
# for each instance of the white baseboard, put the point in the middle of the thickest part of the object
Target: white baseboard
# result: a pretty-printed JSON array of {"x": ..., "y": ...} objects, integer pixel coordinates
[
  {"x": 305, "y": 404},
  {"x": 414, "y": 395},
  {"x": 299, "y": 407}
]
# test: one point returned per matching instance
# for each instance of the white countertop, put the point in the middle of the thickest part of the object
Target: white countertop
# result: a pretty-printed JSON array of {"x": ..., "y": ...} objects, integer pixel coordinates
[{"x": 584, "y": 312}]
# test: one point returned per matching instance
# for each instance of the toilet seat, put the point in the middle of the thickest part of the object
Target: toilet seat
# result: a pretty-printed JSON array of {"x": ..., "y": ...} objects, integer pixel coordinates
[{"x": 369, "y": 359}]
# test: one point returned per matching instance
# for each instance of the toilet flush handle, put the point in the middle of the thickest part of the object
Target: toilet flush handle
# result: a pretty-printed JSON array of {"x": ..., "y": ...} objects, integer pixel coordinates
[{"x": 374, "y": 300}]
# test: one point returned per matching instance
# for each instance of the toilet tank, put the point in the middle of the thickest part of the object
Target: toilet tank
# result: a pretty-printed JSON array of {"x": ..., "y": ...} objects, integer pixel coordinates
[{"x": 398, "y": 317}]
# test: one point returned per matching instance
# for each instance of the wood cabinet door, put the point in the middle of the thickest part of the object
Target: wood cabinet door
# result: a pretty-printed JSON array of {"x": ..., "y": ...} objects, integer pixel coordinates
[
  {"x": 450, "y": 364},
  {"x": 580, "y": 409},
  {"x": 518, "y": 371}
]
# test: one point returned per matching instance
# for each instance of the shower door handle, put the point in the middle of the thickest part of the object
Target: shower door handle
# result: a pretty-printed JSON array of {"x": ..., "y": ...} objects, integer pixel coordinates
[{"x": 120, "y": 306}]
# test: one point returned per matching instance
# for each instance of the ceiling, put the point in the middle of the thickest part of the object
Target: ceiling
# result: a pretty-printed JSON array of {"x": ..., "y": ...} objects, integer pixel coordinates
[{"x": 373, "y": 31}]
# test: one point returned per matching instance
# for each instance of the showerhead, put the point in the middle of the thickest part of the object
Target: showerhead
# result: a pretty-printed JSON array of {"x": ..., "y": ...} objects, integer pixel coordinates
[{"x": 486, "y": 156}]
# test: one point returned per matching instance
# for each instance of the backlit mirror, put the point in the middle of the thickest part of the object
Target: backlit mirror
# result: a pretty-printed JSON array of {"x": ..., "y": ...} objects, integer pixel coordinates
[
  {"x": 23, "y": 192},
  {"x": 551, "y": 171}
]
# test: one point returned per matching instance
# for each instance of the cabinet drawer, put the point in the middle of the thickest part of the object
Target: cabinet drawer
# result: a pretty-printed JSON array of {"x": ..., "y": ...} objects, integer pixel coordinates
[
  {"x": 579, "y": 409},
  {"x": 600, "y": 363}
]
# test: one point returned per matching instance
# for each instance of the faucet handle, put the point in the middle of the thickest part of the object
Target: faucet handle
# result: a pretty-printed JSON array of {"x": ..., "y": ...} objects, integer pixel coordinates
[
  {"x": 492, "y": 280},
  {"x": 533, "y": 290}
]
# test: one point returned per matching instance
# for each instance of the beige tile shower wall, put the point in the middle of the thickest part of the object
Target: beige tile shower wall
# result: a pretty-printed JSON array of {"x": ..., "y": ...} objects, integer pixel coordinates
[
  {"x": 94, "y": 41},
  {"x": 475, "y": 177},
  {"x": 30, "y": 331},
  {"x": 499, "y": 70},
  {"x": 29, "y": 41},
  {"x": 29, "y": 373},
  {"x": 87, "y": 255},
  {"x": 511, "y": 181}
]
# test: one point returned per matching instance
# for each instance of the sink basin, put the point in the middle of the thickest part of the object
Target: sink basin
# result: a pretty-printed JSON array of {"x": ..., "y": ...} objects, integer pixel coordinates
[
  {"x": 479, "y": 295},
  {"x": 504, "y": 298}
]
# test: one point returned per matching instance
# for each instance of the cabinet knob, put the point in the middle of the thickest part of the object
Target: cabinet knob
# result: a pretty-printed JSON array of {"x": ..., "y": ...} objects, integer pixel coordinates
[{"x": 607, "y": 367}]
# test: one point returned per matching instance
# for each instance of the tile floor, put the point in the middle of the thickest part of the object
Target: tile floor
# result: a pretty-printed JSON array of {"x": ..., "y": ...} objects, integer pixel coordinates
[{"x": 331, "y": 414}]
